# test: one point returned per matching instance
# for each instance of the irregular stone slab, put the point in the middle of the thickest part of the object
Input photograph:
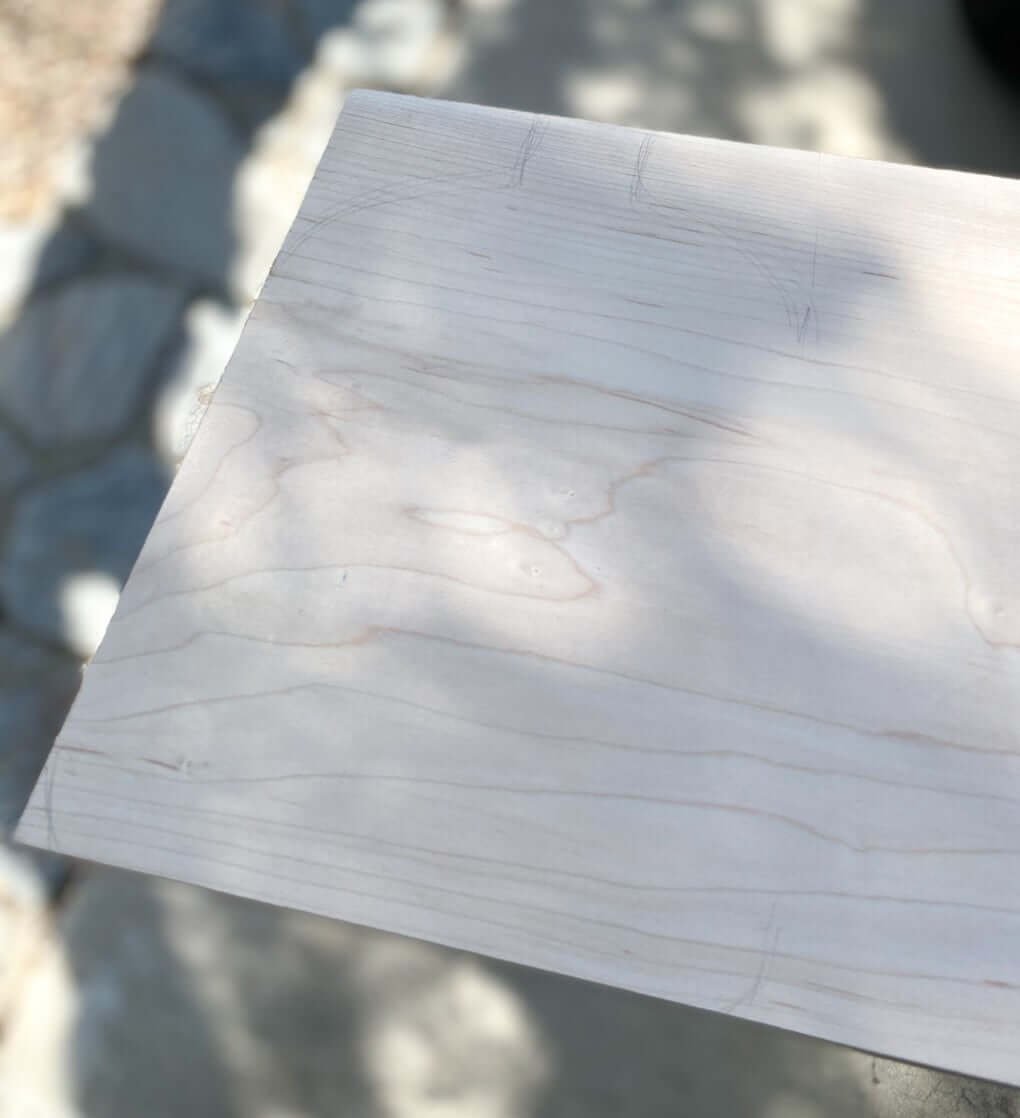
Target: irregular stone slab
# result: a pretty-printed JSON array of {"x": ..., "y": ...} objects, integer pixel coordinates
[
  {"x": 75, "y": 365},
  {"x": 161, "y": 179},
  {"x": 85, "y": 524}
]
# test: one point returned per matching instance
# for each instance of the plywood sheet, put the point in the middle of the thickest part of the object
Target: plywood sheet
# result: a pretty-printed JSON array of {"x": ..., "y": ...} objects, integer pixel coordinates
[{"x": 602, "y": 552}]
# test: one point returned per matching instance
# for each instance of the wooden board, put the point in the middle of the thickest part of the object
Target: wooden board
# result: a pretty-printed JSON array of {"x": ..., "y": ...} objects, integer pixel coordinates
[{"x": 603, "y": 552}]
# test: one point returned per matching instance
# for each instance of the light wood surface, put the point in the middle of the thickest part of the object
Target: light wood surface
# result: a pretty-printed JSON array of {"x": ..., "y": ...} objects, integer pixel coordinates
[{"x": 602, "y": 552}]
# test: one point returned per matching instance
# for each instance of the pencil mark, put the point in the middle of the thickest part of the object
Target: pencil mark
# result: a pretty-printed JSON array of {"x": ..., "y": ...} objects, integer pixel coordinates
[
  {"x": 750, "y": 995},
  {"x": 811, "y": 311},
  {"x": 802, "y": 328},
  {"x": 399, "y": 193},
  {"x": 51, "y": 779},
  {"x": 637, "y": 181},
  {"x": 639, "y": 193},
  {"x": 529, "y": 146},
  {"x": 770, "y": 276},
  {"x": 80, "y": 749},
  {"x": 162, "y": 764}
]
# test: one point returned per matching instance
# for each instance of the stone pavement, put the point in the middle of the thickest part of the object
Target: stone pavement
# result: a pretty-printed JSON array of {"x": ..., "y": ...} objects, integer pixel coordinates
[{"x": 117, "y": 314}]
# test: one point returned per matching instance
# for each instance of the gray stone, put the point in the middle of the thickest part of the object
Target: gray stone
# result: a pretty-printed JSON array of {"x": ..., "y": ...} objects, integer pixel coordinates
[
  {"x": 318, "y": 17},
  {"x": 237, "y": 42},
  {"x": 38, "y": 255},
  {"x": 161, "y": 179},
  {"x": 76, "y": 363},
  {"x": 72, "y": 544},
  {"x": 230, "y": 40},
  {"x": 15, "y": 465},
  {"x": 67, "y": 254},
  {"x": 163, "y": 1000},
  {"x": 36, "y": 689}
]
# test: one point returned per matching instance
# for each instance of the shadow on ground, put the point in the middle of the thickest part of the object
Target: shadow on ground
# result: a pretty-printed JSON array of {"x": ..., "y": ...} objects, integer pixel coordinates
[{"x": 854, "y": 77}]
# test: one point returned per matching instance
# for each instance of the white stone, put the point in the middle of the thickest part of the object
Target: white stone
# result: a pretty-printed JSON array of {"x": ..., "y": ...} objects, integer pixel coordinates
[
  {"x": 25, "y": 940},
  {"x": 23, "y": 904},
  {"x": 20, "y": 246},
  {"x": 87, "y": 600},
  {"x": 211, "y": 334},
  {"x": 37, "y": 1056}
]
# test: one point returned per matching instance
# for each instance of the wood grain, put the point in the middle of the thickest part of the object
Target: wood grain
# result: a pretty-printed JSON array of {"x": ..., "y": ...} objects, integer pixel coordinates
[{"x": 603, "y": 552}]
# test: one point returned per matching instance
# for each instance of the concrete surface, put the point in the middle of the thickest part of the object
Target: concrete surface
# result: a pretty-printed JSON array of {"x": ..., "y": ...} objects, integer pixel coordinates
[
  {"x": 117, "y": 313},
  {"x": 156, "y": 999}
]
